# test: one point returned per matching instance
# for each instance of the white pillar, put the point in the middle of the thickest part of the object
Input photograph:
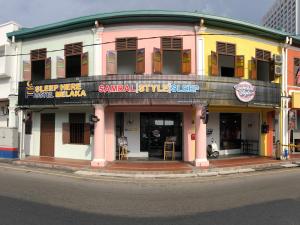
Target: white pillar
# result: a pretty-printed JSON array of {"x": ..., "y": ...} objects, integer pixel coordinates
[
  {"x": 12, "y": 120},
  {"x": 97, "y": 32}
]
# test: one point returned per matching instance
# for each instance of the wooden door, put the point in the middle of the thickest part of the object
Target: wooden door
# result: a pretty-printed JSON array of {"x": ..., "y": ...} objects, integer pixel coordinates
[{"x": 47, "y": 134}]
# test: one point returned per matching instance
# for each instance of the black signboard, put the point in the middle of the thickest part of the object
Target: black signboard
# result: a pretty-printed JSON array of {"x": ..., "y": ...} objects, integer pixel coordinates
[{"x": 137, "y": 89}]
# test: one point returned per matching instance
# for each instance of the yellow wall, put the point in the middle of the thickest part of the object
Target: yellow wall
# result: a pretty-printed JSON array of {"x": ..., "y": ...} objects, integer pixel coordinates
[{"x": 245, "y": 45}]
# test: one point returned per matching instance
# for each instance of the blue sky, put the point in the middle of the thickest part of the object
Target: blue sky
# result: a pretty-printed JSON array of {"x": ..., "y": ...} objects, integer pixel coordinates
[{"x": 32, "y": 13}]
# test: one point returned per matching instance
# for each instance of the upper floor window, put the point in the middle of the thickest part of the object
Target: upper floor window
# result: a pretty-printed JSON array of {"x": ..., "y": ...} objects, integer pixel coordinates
[
  {"x": 76, "y": 60},
  {"x": 171, "y": 58},
  {"x": 225, "y": 62},
  {"x": 297, "y": 70},
  {"x": 126, "y": 58},
  {"x": 262, "y": 66},
  {"x": 40, "y": 65}
]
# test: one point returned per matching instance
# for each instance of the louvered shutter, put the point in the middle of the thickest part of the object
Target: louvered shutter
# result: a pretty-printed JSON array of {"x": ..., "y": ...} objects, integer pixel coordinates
[
  {"x": 271, "y": 70},
  {"x": 230, "y": 49},
  {"x": 60, "y": 67},
  {"x": 214, "y": 64},
  {"x": 221, "y": 48},
  {"x": 87, "y": 134},
  {"x": 66, "y": 133},
  {"x": 85, "y": 64},
  {"x": 239, "y": 65},
  {"x": 26, "y": 70},
  {"x": 73, "y": 49},
  {"x": 186, "y": 61},
  {"x": 253, "y": 69},
  {"x": 140, "y": 61},
  {"x": 125, "y": 44},
  {"x": 48, "y": 68},
  {"x": 157, "y": 61},
  {"x": 111, "y": 62}
]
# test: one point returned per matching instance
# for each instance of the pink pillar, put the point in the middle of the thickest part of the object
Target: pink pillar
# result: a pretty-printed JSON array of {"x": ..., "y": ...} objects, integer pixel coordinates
[
  {"x": 201, "y": 157},
  {"x": 99, "y": 138}
]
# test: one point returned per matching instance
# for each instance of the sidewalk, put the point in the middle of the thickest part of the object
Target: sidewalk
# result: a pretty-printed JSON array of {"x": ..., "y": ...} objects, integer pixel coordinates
[{"x": 161, "y": 169}]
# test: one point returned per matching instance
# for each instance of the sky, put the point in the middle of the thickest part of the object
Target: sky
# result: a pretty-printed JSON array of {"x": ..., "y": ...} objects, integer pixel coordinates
[{"x": 31, "y": 13}]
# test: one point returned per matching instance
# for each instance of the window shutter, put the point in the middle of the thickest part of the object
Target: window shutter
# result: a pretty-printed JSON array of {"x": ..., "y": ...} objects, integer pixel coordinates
[
  {"x": 87, "y": 134},
  {"x": 60, "y": 67},
  {"x": 126, "y": 43},
  {"x": 254, "y": 69},
  {"x": 166, "y": 43},
  {"x": 226, "y": 48},
  {"x": 177, "y": 43},
  {"x": 66, "y": 133},
  {"x": 272, "y": 70},
  {"x": 157, "y": 62},
  {"x": 239, "y": 65},
  {"x": 214, "y": 64},
  {"x": 186, "y": 61},
  {"x": 230, "y": 49},
  {"x": 111, "y": 62},
  {"x": 85, "y": 64},
  {"x": 48, "y": 68},
  {"x": 140, "y": 61},
  {"x": 38, "y": 54},
  {"x": 73, "y": 49},
  {"x": 171, "y": 43},
  {"x": 26, "y": 70}
]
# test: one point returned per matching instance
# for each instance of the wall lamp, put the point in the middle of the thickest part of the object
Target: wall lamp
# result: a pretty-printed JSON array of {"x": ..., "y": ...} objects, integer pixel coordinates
[{"x": 93, "y": 118}]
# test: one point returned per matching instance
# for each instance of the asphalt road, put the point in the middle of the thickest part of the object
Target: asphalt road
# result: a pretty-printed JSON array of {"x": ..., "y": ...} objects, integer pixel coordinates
[{"x": 41, "y": 197}]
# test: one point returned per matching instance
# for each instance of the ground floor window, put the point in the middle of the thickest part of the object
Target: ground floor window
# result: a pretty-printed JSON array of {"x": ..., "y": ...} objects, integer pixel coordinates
[{"x": 76, "y": 121}]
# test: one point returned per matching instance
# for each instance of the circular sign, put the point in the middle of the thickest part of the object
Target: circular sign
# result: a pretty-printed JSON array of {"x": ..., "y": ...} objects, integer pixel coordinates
[{"x": 245, "y": 91}]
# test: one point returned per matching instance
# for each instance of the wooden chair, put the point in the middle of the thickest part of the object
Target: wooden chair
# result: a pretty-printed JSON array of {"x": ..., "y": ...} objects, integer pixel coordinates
[
  {"x": 169, "y": 147},
  {"x": 123, "y": 148}
]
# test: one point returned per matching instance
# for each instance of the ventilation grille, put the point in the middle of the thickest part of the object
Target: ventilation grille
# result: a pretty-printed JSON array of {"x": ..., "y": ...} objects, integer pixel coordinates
[
  {"x": 262, "y": 55},
  {"x": 168, "y": 43},
  {"x": 38, "y": 54},
  {"x": 73, "y": 49},
  {"x": 226, "y": 48},
  {"x": 126, "y": 44}
]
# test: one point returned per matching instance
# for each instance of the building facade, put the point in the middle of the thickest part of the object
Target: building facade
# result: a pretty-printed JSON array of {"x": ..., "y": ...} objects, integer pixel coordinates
[
  {"x": 149, "y": 76},
  {"x": 284, "y": 15}
]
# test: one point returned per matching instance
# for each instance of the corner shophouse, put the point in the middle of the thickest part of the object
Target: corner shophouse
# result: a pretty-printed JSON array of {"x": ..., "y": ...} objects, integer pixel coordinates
[{"x": 148, "y": 75}]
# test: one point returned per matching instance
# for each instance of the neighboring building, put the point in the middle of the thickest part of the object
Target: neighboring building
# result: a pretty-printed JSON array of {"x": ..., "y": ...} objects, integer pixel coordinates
[
  {"x": 8, "y": 92},
  {"x": 292, "y": 94},
  {"x": 284, "y": 15},
  {"x": 8, "y": 76},
  {"x": 149, "y": 75}
]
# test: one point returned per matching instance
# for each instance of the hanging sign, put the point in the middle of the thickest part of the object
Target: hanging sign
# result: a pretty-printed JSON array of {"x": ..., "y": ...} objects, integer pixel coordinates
[{"x": 245, "y": 91}]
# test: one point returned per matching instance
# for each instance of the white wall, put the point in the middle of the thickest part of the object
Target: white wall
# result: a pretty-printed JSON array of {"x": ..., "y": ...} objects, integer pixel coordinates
[
  {"x": 56, "y": 42},
  {"x": 72, "y": 151}
]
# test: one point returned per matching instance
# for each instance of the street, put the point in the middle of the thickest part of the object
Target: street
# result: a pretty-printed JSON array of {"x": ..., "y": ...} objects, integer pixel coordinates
[{"x": 35, "y": 197}]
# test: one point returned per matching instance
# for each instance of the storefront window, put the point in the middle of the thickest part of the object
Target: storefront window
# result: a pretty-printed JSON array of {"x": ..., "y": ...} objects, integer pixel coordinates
[{"x": 230, "y": 131}]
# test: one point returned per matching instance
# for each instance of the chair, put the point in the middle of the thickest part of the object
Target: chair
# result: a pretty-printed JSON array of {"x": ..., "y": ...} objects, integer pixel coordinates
[
  {"x": 169, "y": 147},
  {"x": 123, "y": 148}
]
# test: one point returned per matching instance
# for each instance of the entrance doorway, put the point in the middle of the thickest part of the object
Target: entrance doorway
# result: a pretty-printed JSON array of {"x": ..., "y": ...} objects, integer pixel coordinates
[
  {"x": 230, "y": 131},
  {"x": 47, "y": 134},
  {"x": 155, "y": 128}
]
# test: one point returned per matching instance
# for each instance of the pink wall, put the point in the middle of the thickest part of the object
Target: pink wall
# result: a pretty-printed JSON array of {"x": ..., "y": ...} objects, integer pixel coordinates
[
  {"x": 146, "y": 31},
  {"x": 110, "y": 152}
]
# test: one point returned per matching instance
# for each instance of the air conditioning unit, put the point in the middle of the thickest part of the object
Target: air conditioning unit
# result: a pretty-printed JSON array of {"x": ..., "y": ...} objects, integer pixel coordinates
[
  {"x": 277, "y": 59},
  {"x": 278, "y": 70}
]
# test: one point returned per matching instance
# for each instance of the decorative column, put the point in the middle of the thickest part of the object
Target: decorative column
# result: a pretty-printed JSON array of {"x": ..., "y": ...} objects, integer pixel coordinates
[
  {"x": 99, "y": 137},
  {"x": 201, "y": 156}
]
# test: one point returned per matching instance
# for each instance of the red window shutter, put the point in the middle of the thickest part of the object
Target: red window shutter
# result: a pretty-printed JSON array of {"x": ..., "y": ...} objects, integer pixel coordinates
[
  {"x": 26, "y": 70},
  {"x": 239, "y": 65},
  {"x": 60, "y": 67},
  {"x": 86, "y": 139},
  {"x": 66, "y": 133},
  {"x": 186, "y": 61},
  {"x": 157, "y": 61},
  {"x": 214, "y": 64},
  {"x": 111, "y": 62},
  {"x": 48, "y": 68},
  {"x": 85, "y": 64},
  {"x": 140, "y": 61},
  {"x": 253, "y": 69}
]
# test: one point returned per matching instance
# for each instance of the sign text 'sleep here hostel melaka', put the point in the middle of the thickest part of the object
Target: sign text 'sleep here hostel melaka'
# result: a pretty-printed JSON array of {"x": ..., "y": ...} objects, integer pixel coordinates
[{"x": 149, "y": 78}]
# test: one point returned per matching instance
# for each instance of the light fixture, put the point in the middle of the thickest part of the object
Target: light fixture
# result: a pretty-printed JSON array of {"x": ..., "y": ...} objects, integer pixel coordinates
[{"x": 93, "y": 118}]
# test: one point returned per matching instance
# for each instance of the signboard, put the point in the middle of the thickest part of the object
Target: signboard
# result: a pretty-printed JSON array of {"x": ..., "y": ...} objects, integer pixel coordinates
[
  {"x": 147, "y": 89},
  {"x": 245, "y": 91}
]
